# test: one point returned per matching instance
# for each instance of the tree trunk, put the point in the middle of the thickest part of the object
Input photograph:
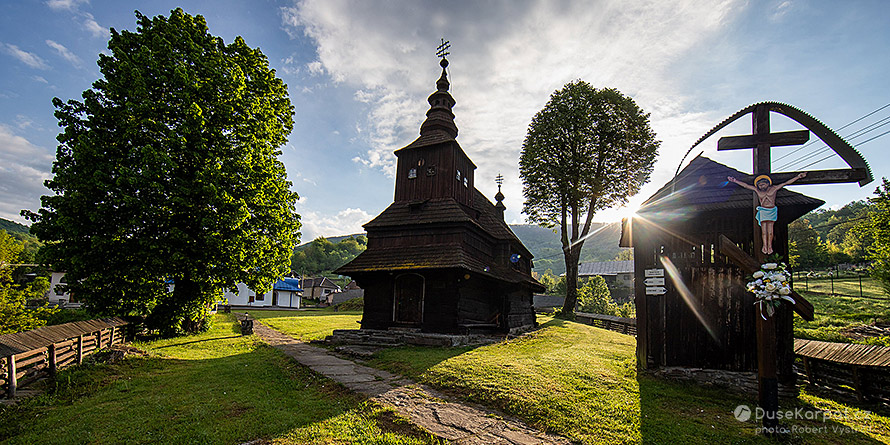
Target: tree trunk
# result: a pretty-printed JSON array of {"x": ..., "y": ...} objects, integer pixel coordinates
[
  {"x": 571, "y": 259},
  {"x": 175, "y": 314}
]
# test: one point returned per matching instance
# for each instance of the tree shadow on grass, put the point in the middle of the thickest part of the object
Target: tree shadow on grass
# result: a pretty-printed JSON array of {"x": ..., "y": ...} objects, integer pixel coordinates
[{"x": 672, "y": 411}]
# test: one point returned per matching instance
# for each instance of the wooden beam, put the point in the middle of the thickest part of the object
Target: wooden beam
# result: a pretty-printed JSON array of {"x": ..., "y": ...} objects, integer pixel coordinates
[
  {"x": 749, "y": 265},
  {"x": 840, "y": 176},
  {"x": 774, "y": 139}
]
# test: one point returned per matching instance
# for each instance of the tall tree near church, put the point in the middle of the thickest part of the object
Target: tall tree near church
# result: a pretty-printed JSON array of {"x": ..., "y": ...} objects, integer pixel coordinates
[
  {"x": 168, "y": 171},
  {"x": 587, "y": 150}
]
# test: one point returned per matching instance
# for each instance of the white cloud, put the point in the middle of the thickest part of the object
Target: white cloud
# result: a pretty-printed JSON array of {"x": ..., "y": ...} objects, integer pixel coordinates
[
  {"x": 98, "y": 31},
  {"x": 315, "y": 68},
  {"x": 30, "y": 59},
  {"x": 344, "y": 222},
  {"x": 23, "y": 168},
  {"x": 507, "y": 58},
  {"x": 40, "y": 79},
  {"x": 781, "y": 10},
  {"x": 64, "y": 52},
  {"x": 65, "y": 5}
]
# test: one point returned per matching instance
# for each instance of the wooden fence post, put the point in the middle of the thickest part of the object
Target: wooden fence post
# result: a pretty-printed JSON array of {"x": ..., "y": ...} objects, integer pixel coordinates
[
  {"x": 52, "y": 359},
  {"x": 111, "y": 340},
  {"x": 857, "y": 384},
  {"x": 80, "y": 349},
  {"x": 98, "y": 340},
  {"x": 11, "y": 383}
]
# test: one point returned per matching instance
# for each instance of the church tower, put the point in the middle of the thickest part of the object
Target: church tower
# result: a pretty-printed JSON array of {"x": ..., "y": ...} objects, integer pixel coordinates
[{"x": 434, "y": 166}]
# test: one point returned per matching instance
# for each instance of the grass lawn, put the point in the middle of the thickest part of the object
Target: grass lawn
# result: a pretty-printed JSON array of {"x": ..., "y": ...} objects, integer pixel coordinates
[
  {"x": 310, "y": 324},
  {"x": 835, "y": 314},
  {"x": 216, "y": 387},
  {"x": 581, "y": 382}
]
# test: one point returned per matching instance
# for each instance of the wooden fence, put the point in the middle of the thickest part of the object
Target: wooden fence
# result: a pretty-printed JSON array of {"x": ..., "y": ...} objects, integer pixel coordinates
[
  {"x": 618, "y": 324},
  {"x": 842, "y": 366},
  {"x": 31, "y": 355}
]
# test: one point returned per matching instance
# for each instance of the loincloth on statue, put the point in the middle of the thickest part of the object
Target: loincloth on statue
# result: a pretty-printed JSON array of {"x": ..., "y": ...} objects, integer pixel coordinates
[{"x": 766, "y": 214}]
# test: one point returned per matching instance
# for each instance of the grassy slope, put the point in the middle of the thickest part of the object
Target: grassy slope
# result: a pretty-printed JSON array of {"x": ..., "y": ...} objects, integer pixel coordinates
[
  {"x": 308, "y": 325},
  {"x": 217, "y": 387},
  {"x": 834, "y": 314},
  {"x": 580, "y": 381}
]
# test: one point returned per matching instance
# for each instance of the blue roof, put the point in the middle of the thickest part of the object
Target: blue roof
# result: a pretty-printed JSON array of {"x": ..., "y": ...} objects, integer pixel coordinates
[{"x": 289, "y": 284}]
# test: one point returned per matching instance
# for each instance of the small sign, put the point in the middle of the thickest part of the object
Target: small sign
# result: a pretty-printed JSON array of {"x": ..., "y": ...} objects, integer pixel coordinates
[
  {"x": 654, "y": 273},
  {"x": 655, "y": 291},
  {"x": 654, "y": 281}
]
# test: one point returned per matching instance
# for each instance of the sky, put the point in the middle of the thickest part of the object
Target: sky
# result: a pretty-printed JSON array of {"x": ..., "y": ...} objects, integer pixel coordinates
[{"x": 359, "y": 73}]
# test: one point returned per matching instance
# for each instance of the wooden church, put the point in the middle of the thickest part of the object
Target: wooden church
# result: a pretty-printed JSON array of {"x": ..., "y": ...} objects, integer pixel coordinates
[{"x": 440, "y": 258}]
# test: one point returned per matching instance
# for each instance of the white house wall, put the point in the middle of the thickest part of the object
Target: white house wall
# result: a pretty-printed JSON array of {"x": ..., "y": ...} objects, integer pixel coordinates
[{"x": 56, "y": 295}]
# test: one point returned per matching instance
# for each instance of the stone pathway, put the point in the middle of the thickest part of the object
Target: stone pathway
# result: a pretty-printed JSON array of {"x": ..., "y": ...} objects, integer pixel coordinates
[{"x": 455, "y": 422}]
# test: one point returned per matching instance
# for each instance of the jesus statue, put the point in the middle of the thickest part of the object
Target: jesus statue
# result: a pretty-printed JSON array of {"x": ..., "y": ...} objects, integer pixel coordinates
[{"x": 767, "y": 212}]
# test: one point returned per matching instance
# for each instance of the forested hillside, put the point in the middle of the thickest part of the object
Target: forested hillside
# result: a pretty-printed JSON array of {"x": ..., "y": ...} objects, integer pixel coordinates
[
  {"x": 547, "y": 248},
  {"x": 22, "y": 233}
]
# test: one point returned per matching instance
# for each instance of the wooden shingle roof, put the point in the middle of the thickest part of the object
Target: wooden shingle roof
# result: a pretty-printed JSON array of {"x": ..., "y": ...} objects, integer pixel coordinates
[
  {"x": 702, "y": 186},
  {"x": 605, "y": 268}
]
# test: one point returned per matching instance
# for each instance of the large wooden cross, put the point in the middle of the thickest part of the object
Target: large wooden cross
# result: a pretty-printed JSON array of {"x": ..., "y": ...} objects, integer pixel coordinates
[{"x": 761, "y": 141}]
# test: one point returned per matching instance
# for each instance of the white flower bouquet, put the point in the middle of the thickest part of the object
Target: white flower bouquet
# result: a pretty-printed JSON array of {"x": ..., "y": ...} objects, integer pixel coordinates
[{"x": 770, "y": 286}]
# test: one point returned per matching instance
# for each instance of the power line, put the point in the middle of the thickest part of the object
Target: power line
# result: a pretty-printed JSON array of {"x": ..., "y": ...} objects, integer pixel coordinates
[
  {"x": 832, "y": 155},
  {"x": 852, "y": 136},
  {"x": 839, "y": 129}
]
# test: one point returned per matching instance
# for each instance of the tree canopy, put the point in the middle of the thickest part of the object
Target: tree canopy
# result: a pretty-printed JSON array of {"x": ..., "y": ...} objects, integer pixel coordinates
[
  {"x": 878, "y": 224},
  {"x": 587, "y": 150},
  {"x": 167, "y": 172}
]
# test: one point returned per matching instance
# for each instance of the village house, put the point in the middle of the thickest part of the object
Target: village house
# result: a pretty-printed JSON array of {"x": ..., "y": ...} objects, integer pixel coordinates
[
  {"x": 286, "y": 292},
  {"x": 616, "y": 273},
  {"x": 319, "y": 288}
]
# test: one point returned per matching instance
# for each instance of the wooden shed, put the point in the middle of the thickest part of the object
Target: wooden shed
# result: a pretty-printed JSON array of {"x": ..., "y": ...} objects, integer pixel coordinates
[
  {"x": 441, "y": 258},
  {"x": 692, "y": 307}
]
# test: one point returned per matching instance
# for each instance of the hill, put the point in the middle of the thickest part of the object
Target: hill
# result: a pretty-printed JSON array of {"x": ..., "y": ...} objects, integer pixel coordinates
[
  {"x": 544, "y": 244},
  {"x": 547, "y": 248},
  {"x": 13, "y": 228}
]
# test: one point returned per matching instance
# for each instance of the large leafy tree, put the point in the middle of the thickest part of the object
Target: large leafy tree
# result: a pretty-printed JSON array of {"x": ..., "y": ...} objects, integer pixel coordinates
[
  {"x": 589, "y": 149},
  {"x": 168, "y": 172}
]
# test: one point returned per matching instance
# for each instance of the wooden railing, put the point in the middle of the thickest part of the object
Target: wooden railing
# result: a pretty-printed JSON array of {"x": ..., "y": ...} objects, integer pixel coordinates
[
  {"x": 618, "y": 324},
  {"x": 28, "y": 356},
  {"x": 842, "y": 366}
]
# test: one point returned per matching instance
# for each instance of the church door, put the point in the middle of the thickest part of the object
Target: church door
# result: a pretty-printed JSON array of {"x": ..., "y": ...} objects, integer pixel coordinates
[{"x": 408, "y": 299}]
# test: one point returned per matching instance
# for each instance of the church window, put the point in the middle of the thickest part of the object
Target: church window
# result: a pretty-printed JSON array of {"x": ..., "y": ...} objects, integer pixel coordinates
[
  {"x": 431, "y": 170},
  {"x": 466, "y": 183},
  {"x": 412, "y": 173},
  {"x": 457, "y": 176}
]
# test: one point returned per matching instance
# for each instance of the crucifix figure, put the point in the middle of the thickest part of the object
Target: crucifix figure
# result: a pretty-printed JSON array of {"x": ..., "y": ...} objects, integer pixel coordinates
[{"x": 767, "y": 212}]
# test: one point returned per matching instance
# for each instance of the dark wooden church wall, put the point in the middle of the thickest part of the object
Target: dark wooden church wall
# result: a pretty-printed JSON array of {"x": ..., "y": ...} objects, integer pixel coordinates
[
  {"x": 378, "y": 300},
  {"x": 414, "y": 237},
  {"x": 439, "y": 309},
  {"x": 670, "y": 334},
  {"x": 519, "y": 311},
  {"x": 480, "y": 301}
]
